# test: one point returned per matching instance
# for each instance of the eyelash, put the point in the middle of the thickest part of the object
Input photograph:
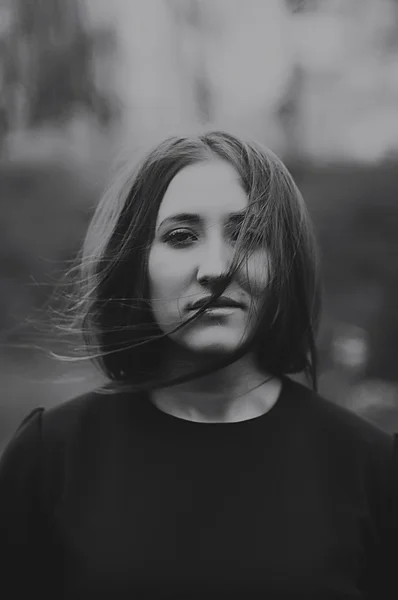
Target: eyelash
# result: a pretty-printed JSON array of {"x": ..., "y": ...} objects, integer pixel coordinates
[{"x": 172, "y": 236}]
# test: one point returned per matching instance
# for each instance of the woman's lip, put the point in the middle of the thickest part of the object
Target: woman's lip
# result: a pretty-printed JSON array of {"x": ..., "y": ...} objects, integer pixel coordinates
[
  {"x": 220, "y": 306},
  {"x": 221, "y": 311}
]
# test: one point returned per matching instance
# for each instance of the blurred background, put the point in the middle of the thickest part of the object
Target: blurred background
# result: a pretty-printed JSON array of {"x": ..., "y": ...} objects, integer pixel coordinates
[{"x": 86, "y": 82}]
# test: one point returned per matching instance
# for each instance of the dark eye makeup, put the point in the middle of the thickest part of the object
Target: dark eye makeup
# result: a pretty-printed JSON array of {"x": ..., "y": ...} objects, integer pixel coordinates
[
  {"x": 183, "y": 237},
  {"x": 179, "y": 237}
]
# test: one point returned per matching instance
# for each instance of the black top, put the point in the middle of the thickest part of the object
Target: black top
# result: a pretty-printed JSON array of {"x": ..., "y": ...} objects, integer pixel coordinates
[{"x": 108, "y": 497}]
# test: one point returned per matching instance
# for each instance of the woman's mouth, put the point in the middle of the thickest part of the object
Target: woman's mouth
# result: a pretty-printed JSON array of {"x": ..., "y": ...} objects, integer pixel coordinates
[{"x": 220, "y": 311}]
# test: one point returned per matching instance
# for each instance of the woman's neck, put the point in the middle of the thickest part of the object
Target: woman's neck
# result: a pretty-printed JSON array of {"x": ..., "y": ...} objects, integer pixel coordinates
[{"x": 237, "y": 392}]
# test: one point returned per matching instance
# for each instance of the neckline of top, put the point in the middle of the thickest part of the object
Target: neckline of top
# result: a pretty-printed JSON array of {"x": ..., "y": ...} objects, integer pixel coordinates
[{"x": 268, "y": 415}]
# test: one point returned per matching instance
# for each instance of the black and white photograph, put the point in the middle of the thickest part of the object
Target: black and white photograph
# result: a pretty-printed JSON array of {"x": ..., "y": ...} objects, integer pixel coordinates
[{"x": 198, "y": 299}]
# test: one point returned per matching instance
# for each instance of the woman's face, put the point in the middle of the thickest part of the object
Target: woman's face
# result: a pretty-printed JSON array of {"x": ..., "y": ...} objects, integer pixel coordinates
[{"x": 196, "y": 229}]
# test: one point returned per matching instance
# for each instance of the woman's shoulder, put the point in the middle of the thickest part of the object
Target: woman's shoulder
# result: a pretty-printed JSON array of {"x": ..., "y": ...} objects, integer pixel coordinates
[
  {"x": 81, "y": 412},
  {"x": 336, "y": 421},
  {"x": 63, "y": 418}
]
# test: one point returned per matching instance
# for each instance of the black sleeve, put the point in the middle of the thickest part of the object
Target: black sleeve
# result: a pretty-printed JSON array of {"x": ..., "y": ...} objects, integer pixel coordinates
[
  {"x": 22, "y": 541},
  {"x": 390, "y": 536},
  {"x": 383, "y": 576}
]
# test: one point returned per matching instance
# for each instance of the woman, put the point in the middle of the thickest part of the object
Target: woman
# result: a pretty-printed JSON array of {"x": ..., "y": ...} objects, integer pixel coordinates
[{"x": 202, "y": 470}]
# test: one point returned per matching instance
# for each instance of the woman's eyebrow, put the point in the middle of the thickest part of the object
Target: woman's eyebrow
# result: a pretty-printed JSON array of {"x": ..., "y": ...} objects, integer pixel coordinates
[
  {"x": 195, "y": 218},
  {"x": 182, "y": 217}
]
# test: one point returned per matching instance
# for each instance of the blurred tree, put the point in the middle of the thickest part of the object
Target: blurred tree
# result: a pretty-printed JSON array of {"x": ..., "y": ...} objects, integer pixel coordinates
[
  {"x": 192, "y": 14},
  {"x": 297, "y": 6},
  {"x": 354, "y": 208},
  {"x": 50, "y": 54},
  {"x": 289, "y": 114},
  {"x": 383, "y": 362},
  {"x": 201, "y": 82}
]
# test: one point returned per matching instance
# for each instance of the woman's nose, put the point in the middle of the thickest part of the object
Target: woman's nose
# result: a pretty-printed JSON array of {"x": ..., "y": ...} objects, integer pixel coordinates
[{"x": 214, "y": 263}]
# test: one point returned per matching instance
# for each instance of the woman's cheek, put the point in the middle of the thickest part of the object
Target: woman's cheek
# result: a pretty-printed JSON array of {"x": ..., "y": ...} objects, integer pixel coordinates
[
  {"x": 255, "y": 275},
  {"x": 169, "y": 277},
  {"x": 163, "y": 260}
]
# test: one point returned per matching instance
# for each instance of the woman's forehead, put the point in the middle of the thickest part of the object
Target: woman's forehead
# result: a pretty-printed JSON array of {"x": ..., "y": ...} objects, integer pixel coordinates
[{"x": 210, "y": 189}]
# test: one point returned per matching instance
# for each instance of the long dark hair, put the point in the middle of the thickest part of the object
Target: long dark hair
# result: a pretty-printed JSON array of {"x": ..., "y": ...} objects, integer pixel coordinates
[{"x": 112, "y": 308}]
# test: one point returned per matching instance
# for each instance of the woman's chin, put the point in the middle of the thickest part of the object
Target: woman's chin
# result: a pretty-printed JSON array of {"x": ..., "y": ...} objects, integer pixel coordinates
[{"x": 212, "y": 345}]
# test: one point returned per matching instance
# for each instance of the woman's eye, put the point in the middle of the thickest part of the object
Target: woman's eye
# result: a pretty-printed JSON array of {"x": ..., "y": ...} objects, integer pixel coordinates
[
  {"x": 180, "y": 237},
  {"x": 233, "y": 233},
  {"x": 250, "y": 235}
]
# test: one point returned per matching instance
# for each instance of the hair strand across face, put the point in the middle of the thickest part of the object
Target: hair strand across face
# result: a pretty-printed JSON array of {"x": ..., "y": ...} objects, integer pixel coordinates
[{"x": 112, "y": 305}]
